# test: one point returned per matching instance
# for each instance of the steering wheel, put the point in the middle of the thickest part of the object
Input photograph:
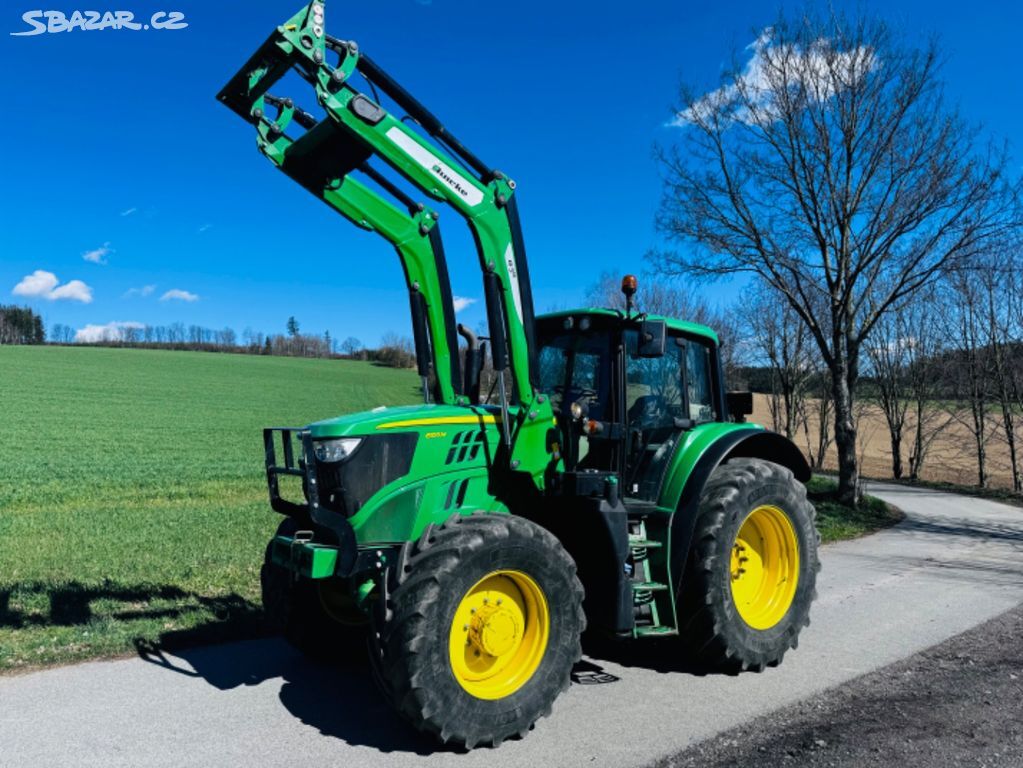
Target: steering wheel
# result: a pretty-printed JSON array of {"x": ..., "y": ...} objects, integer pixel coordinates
[{"x": 647, "y": 412}]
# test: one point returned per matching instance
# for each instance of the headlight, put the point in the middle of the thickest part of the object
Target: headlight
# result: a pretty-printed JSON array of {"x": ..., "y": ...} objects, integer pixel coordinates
[
  {"x": 333, "y": 451},
  {"x": 579, "y": 409}
]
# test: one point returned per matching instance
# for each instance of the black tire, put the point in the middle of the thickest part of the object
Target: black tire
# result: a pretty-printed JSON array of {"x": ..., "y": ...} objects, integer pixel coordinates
[
  {"x": 412, "y": 626},
  {"x": 296, "y": 609},
  {"x": 712, "y": 629}
]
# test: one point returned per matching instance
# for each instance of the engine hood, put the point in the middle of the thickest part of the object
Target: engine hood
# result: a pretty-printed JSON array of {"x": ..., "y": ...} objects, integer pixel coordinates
[{"x": 404, "y": 418}]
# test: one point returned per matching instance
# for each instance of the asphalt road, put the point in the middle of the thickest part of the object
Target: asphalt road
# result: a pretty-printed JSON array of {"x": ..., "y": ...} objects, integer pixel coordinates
[{"x": 952, "y": 564}]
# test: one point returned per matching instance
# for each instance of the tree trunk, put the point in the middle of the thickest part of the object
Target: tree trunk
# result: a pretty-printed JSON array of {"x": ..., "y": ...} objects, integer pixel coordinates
[
  {"x": 845, "y": 436},
  {"x": 1009, "y": 424},
  {"x": 896, "y": 439},
  {"x": 979, "y": 428},
  {"x": 917, "y": 452}
]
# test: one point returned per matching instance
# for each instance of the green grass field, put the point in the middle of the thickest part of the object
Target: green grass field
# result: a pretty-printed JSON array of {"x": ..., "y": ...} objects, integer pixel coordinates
[
  {"x": 133, "y": 507},
  {"x": 132, "y": 495}
]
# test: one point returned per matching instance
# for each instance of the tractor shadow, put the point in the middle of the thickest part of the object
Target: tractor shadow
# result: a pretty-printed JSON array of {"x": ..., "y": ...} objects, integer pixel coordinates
[
  {"x": 33, "y": 605},
  {"x": 662, "y": 655},
  {"x": 338, "y": 698}
]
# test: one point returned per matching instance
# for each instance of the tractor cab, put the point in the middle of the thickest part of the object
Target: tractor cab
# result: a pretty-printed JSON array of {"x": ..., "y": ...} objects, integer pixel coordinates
[{"x": 625, "y": 389}]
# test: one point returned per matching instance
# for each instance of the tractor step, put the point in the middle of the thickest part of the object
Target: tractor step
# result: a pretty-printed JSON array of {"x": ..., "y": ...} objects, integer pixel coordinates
[
  {"x": 638, "y": 543},
  {"x": 656, "y": 631},
  {"x": 648, "y": 586}
]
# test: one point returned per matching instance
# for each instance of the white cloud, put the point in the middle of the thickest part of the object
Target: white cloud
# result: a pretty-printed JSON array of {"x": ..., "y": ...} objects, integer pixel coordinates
[
  {"x": 461, "y": 302},
  {"x": 98, "y": 255},
  {"x": 44, "y": 285},
  {"x": 129, "y": 211},
  {"x": 91, "y": 334},
  {"x": 204, "y": 227},
  {"x": 180, "y": 295},
  {"x": 144, "y": 291},
  {"x": 75, "y": 290},
  {"x": 39, "y": 283},
  {"x": 811, "y": 69}
]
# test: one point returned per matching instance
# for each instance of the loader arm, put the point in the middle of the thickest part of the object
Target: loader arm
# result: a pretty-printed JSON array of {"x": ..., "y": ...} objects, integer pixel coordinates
[
  {"x": 320, "y": 162},
  {"x": 358, "y": 127},
  {"x": 415, "y": 235}
]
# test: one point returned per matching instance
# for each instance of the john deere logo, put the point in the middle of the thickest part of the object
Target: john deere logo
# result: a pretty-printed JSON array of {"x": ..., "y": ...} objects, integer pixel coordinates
[{"x": 453, "y": 183}]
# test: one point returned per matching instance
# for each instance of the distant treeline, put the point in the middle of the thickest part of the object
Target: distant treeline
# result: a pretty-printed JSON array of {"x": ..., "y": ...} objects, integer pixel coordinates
[
  {"x": 20, "y": 325},
  {"x": 394, "y": 351}
]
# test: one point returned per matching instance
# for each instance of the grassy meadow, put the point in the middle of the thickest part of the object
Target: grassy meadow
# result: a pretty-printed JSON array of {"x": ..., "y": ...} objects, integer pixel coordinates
[{"x": 133, "y": 503}]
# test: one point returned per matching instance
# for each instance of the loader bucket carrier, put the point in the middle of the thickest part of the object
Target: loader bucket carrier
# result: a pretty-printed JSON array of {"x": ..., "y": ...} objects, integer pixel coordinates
[{"x": 616, "y": 486}]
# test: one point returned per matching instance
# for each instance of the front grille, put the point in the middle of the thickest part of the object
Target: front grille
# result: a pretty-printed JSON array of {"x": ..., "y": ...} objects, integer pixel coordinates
[{"x": 380, "y": 459}]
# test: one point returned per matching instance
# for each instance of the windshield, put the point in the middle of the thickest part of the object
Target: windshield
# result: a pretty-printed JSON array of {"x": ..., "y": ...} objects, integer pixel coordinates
[{"x": 576, "y": 366}]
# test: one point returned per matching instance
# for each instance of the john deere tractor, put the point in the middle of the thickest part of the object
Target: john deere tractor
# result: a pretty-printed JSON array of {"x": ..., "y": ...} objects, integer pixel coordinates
[{"x": 605, "y": 479}]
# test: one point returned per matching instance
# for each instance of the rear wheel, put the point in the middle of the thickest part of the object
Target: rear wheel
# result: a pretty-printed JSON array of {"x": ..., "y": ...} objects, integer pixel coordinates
[
  {"x": 480, "y": 630},
  {"x": 752, "y": 568},
  {"x": 319, "y": 617}
]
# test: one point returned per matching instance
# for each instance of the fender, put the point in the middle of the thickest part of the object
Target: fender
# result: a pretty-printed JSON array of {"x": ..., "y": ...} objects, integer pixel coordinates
[{"x": 738, "y": 441}]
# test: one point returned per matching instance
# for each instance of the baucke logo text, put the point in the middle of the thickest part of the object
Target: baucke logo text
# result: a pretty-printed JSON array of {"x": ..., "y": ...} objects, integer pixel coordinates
[{"x": 41, "y": 22}]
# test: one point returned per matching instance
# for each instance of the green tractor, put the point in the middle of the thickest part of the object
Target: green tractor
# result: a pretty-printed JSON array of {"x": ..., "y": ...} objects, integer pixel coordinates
[{"x": 606, "y": 482}]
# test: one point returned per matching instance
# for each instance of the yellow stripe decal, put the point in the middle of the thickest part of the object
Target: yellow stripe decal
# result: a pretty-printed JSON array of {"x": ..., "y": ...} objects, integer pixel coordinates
[{"x": 480, "y": 419}]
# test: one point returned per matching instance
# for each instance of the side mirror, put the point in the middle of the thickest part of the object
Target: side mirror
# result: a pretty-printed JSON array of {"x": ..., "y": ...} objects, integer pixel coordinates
[
  {"x": 740, "y": 405},
  {"x": 652, "y": 336}
]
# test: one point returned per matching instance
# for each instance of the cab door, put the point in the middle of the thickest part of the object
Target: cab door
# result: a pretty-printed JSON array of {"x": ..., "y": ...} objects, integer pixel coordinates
[{"x": 665, "y": 397}]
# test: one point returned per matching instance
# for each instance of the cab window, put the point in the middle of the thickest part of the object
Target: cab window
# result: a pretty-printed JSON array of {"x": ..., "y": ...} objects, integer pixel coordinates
[
  {"x": 699, "y": 382},
  {"x": 653, "y": 387}
]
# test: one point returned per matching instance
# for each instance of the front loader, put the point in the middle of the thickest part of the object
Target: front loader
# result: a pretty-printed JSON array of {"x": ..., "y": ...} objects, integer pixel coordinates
[{"x": 608, "y": 482}]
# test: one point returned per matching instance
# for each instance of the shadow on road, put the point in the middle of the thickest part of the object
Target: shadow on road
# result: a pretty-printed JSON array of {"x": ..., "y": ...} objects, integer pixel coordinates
[
  {"x": 973, "y": 529},
  {"x": 340, "y": 700}
]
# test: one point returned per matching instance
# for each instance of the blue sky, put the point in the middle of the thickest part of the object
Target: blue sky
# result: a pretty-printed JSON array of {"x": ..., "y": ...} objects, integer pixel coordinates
[{"x": 115, "y": 145}]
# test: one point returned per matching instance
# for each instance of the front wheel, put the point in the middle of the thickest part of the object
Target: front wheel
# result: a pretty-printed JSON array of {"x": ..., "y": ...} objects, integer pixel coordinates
[
  {"x": 480, "y": 630},
  {"x": 752, "y": 568},
  {"x": 317, "y": 616}
]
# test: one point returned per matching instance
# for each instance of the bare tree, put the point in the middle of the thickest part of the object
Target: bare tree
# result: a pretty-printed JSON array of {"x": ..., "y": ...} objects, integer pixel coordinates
[
  {"x": 781, "y": 339},
  {"x": 1000, "y": 284},
  {"x": 963, "y": 320},
  {"x": 396, "y": 351},
  {"x": 351, "y": 346},
  {"x": 832, "y": 167},
  {"x": 888, "y": 354},
  {"x": 819, "y": 438},
  {"x": 926, "y": 376}
]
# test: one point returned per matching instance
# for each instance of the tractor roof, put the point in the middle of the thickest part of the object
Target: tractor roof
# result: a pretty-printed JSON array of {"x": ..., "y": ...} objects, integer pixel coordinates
[{"x": 694, "y": 329}]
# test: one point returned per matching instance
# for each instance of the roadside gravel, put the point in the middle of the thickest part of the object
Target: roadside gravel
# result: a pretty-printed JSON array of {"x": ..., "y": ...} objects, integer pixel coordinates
[{"x": 959, "y": 703}]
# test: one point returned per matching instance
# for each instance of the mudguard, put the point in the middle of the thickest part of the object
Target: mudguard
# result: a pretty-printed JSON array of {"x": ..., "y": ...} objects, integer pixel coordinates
[{"x": 738, "y": 441}]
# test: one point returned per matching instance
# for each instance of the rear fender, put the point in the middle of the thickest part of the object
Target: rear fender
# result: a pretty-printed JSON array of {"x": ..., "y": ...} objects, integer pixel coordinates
[{"x": 693, "y": 467}]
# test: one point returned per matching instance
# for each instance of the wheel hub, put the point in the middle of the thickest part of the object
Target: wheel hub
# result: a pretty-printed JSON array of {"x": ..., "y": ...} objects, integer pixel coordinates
[{"x": 495, "y": 630}]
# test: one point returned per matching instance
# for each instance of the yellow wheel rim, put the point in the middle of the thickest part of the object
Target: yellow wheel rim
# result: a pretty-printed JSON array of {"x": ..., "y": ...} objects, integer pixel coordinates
[
  {"x": 765, "y": 567},
  {"x": 499, "y": 634}
]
